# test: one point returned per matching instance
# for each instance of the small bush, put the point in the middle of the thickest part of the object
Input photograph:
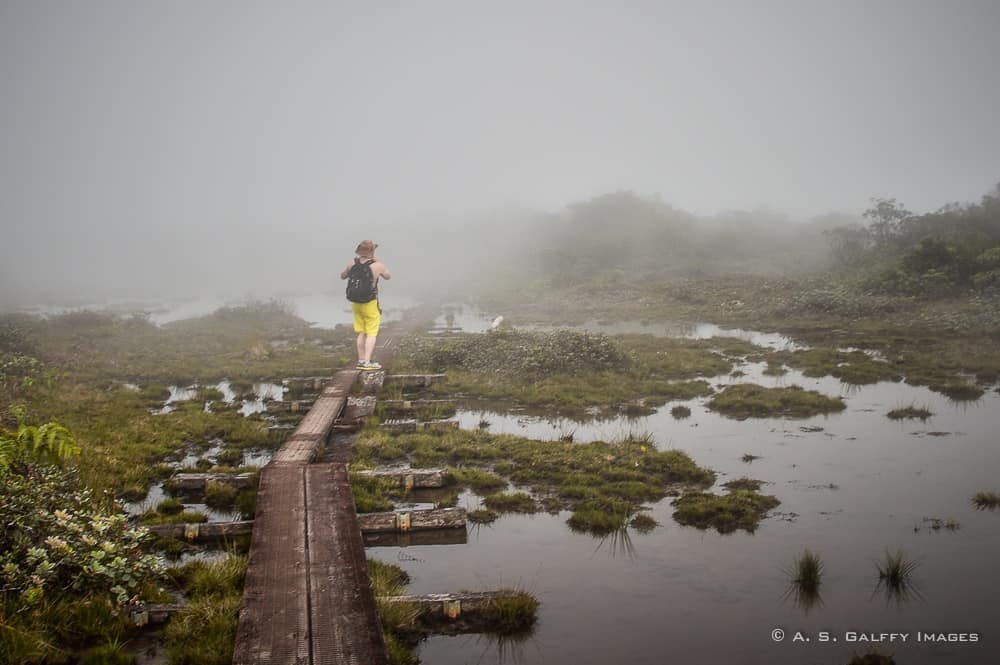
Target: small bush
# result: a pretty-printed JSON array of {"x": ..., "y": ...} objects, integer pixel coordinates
[{"x": 510, "y": 502}]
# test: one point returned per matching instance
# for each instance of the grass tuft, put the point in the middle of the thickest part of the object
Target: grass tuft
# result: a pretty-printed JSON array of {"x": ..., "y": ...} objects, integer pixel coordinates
[{"x": 986, "y": 500}]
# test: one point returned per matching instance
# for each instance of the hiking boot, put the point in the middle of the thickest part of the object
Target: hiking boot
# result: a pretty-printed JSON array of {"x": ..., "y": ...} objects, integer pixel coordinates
[
  {"x": 371, "y": 367},
  {"x": 360, "y": 364}
]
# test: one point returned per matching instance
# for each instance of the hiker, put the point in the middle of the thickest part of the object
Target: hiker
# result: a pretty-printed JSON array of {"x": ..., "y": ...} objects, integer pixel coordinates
[{"x": 362, "y": 290}]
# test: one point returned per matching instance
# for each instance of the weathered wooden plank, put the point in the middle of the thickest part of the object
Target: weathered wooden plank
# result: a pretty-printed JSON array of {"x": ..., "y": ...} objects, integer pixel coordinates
[
  {"x": 451, "y": 606},
  {"x": 418, "y": 380},
  {"x": 345, "y": 626},
  {"x": 414, "y": 425},
  {"x": 411, "y": 404},
  {"x": 402, "y": 520},
  {"x": 274, "y": 615},
  {"x": 408, "y": 478},
  {"x": 195, "y": 482},
  {"x": 416, "y": 538},
  {"x": 293, "y": 405}
]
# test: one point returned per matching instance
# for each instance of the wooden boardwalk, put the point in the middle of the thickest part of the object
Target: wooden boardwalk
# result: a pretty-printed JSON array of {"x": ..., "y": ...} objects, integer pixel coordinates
[{"x": 307, "y": 599}]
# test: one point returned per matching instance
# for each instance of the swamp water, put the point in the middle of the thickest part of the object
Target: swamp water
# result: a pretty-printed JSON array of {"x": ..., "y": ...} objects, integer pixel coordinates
[{"x": 852, "y": 486}]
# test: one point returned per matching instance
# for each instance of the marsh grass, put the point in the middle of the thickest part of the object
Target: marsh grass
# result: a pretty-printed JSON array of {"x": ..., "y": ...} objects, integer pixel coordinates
[
  {"x": 744, "y": 484},
  {"x": 400, "y": 621},
  {"x": 747, "y": 400},
  {"x": 477, "y": 480},
  {"x": 57, "y": 627},
  {"x": 220, "y": 495},
  {"x": 895, "y": 577},
  {"x": 680, "y": 412},
  {"x": 911, "y": 411},
  {"x": 482, "y": 516},
  {"x": 372, "y": 495},
  {"x": 600, "y": 517},
  {"x": 631, "y": 471},
  {"x": 739, "y": 509},
  {"x": 204, "y": 631},
  {"x": 183, "y": 517},
  {"x": 514, "y": 611},
  {"x": 643, "y": 523},
  {"x": 986, "y": 500},
  {"x": 805, "y": 577},
  {"x": 510, "y": 502}
]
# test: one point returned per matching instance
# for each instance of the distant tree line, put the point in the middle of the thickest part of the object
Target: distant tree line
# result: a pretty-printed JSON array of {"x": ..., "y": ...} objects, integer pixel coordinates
[{"x": 953, "y": 250}]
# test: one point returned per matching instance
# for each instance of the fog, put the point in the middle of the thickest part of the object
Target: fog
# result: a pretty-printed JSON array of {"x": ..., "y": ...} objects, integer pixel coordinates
[{"x": 150, "y": 149}]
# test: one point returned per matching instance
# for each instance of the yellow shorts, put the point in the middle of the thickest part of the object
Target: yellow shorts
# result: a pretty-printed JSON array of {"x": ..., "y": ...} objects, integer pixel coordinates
[{"x": 366, "y": 317}]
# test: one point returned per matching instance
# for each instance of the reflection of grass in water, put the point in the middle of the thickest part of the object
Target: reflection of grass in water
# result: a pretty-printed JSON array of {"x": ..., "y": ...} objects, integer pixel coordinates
[
  {"x": 806, "y": 575},
  {"x": 873, "y": 657},
  {"x": 895, "y": 578}
]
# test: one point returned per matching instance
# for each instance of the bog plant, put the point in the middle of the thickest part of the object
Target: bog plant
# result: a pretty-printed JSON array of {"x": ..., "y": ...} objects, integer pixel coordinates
[{"x": 57, "y": 539}]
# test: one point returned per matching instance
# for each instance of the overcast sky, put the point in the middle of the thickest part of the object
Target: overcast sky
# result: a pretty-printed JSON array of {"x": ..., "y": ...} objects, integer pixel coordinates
[{"x": 183, "y": 123}]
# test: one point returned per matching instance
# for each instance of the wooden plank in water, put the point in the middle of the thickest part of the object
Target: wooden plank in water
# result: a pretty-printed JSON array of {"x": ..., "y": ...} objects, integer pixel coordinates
[
  {"x": 308, "y": 439},
  {"x": 274, "y": 615},
  {"x": 195, "y": 482},
  {"x": 408, "y": 478},
  {"x": 410, "y": 425},
  {"x": 401, "y": 520},
  {"x": 419, "y": 380},
  {"x": 344, "y": 622}
]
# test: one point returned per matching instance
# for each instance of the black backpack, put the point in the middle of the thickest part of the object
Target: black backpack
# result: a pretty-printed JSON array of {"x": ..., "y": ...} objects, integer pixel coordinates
[{"x": 361, "y": 282}]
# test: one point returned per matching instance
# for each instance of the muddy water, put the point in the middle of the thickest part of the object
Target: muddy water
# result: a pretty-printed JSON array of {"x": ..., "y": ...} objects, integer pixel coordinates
[{"x": 862, "y": 484}]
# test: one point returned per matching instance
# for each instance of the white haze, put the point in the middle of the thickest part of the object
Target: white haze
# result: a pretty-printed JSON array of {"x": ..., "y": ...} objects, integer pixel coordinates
[{"x": 149, "y": 148}]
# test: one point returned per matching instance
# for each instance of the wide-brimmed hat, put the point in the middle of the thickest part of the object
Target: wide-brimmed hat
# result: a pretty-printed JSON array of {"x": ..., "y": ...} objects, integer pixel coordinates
[{"x": 366, "y": 247}]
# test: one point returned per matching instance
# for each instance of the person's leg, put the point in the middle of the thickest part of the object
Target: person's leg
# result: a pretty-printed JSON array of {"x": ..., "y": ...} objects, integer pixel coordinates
[
  {"x": 361, "y": 348},
  {"x": 359, "y": 327},
  {"x": 369, "y": 347},
  {"x": 372, "y": 320}
]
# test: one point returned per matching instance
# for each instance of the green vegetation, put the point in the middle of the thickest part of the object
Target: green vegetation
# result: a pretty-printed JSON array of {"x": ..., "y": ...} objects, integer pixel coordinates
[
  {"x": 372, "y": 495},
  {"x": 514, "y": 611},
  {"x": 912, "y": 411},
  {"x": 185, "y": 517},
  {"x": 477, "y": 480},
  {"x": 482, "y": 516},
  {"x": 853, "y": 367},
  {"x": 595, "y": 479},
  {"x": 805, "y": 577},
  {"x": 565, "y": 370},
  {"x": 219, "y": 495},
  {"x": 601, "y": 517},
  {"x": 643, "y": 523},
  {"x": 895, "y": 573},
  {"x": 510, "y": 502},
  {"x": 204, "y": 631},
  {"x": 680, "y": 412},
  {"x": 743, "y": 484},
  {"x": 170, "y": 506},
  {"x": 747, "y": 400},
  {"x": 739, "y": 509},
  {"x": 986, "y": 500}
]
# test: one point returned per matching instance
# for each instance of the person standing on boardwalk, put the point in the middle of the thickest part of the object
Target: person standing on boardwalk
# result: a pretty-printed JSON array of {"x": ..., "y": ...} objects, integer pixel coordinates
[{"x": 362, "y": 290}]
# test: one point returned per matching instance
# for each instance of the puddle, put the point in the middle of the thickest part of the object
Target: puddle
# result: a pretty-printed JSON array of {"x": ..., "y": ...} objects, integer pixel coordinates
[{"x": 852, "y": 485}]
